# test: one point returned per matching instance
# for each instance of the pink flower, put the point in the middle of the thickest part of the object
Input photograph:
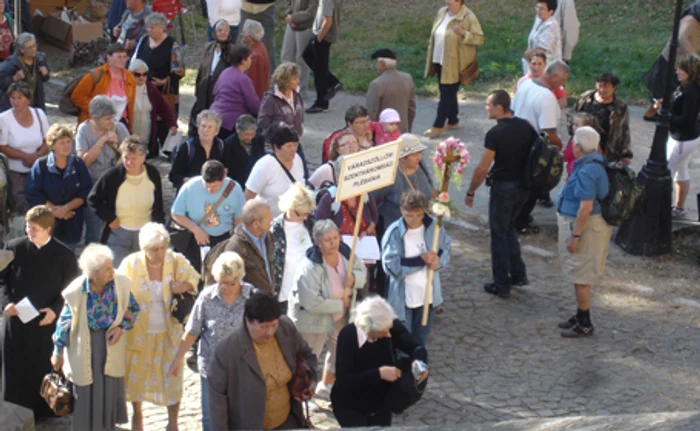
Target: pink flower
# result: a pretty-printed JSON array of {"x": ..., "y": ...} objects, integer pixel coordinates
[
  {"x": 444, "y": 197},
  {"x": 460, "y": 169}
]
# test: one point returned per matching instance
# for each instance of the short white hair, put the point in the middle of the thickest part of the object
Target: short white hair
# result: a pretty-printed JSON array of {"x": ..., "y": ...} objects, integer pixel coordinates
[
  {"x": 322, "y": 227},
  {"x": 587, "y": 138},
  {"x": 138, "y": 64},
  {"x": 374, "y": 314},
  {"x": 297, "y": 198},
  {"x": 92, "y": 259},
  {"x": 153, "y": 234},
  {"x": 228, "y": 264},
  {"x": 253, "y": 29}
]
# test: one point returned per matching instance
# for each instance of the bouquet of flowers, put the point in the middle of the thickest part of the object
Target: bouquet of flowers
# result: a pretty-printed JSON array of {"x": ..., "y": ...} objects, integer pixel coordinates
[{"x": 450, "y": 160}]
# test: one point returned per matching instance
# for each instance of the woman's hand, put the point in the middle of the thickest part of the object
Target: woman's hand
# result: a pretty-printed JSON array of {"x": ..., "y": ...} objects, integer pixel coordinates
[
  {"x": 28, "y": 159},
  {"x": 109, "y": 138},
  {"x": 115, "y": 224},
  {"x": 49, "y": 318},
  {"x": 372, "y": 229},
  {"x": 175, "y": 367},
  {"x": 114, "y": 334},
  {"x": 18, "y": 75},
  {"x": 457, "y": 28},
  {"x": 44, "y": 71},
  {"x": 349, "y": 282},
  {"x": 178, "y": 287},
  {"x": 57, "y": 362},
  {"x": 308, "y": 393},
  {"x": 389, "y": 374},
  {"x": 201, "y": 236},
  {"x": 160, "y": 82},
  {"x": 173, "y": 130},
  {"x": 10, "y": 310},
  {"x": 658, "y": 103}
]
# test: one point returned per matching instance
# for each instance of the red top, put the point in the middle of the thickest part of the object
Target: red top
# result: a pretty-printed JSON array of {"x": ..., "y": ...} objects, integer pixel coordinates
[
  {"x": 347, "y": 227},
  {"x": 5, "y": 39},
  {"x": 259, "y": 70}
]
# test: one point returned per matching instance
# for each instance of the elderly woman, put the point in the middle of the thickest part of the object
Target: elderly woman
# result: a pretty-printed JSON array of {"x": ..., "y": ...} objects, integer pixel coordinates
[
  {"x": 214, "y": 61},
  {"x": 239, "y": 398},
  {"x": 291, "y": 233},
  {"x": 545, "y": 35},
  {"x": 584, "y": 236},
  {"x": 111, "y": 79},
  {"x": 612, "y": 115},
  {"x": 190, "y": 156},
  {"x": 222, "y": 10},
  {"x": 345, "y": 143},
  {"x": 127, "y": 197},
  {"x": 259, "y": 70},
  {"x": 151, "y": 111},
  {"x": 217, "y": 311},
  {"x": 367, "y": 364},
  {"x": 89, "y": 342},
  {"x": 26, "y": 65},
  {"x": 274, "y": 173},
  {"x": 97, "y": 143},
  {"x": 324, "y": 296},
  {"x": 42, "y": 267},
  {"x": 455, "y": 36},
  {"x": 538, "y": 63},
  {"x": 61, "y": 181},
  {"x": 22, "y": 131},
  {"x": 156, "y": 274},
  {"x": 245, "y": 148},
  {"x": 407, "y": 257},
  {"x": 234, "y": 92}
]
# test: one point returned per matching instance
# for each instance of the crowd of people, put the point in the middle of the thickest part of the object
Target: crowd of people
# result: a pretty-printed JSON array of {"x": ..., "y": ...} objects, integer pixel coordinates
[{"x": 254, "y": 240}]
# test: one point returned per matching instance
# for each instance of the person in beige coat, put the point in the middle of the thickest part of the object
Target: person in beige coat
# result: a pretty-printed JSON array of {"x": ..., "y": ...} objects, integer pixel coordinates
[
  {"x": 455, "y": 36},
  {"x": 391, "y": 89}
]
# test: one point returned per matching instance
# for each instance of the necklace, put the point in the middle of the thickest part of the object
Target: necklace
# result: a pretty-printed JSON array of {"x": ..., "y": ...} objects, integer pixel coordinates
[{"x": 150, "y": 265}]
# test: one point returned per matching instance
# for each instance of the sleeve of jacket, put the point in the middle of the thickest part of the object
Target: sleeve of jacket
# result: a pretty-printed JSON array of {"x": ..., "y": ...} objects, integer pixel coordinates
[
  {"x": 373, "y": 98},
  {"x": 345, "y": 368},
  {"x": 473, "y": 34},
  {"x": 42, "y": 61},
  {"x": 305, "y": 351},
  {"x": 82, "y": 94},
  {"x": 85, "y": 179},
  {"x": 359, "y": 271},
  {"x": 185, "y": 271},
  {"x": 392, "y": 260},
  {"x": 158, "y": 208},
  {"x": 444, "y": 248},
  {"x": 625, "y": 139},
  {"x": 97, "y": 200},
  {"x": 179, "y": 166},
  {"x": 266, "y": 113},
  {"x": 412, "y": 107},
  {"x": 7, "y": 71},
  {"x": 33, "y": 187},
  {"x": 372, "y": 210},
  {"x": 306, "y": 17},
  {"x": 217, "y": 382},
  {"x": 309, "y": 286},
  {"x": 252, "y": 101},
  {"x": 407, "y": 343}
]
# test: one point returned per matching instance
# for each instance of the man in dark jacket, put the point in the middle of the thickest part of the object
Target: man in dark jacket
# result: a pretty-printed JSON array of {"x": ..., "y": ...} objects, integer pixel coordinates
[{"x": 28, "y": 65}]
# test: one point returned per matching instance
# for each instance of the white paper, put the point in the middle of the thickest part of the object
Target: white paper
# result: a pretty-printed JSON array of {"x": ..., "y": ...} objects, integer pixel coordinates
[
  {"x": 367, "y": 248},
  {"x": 172, "y": 142},
  {"x": 120, "y": 104},
  {"x": 26, "y": 310},
  {"x": 203, "y": 251}
]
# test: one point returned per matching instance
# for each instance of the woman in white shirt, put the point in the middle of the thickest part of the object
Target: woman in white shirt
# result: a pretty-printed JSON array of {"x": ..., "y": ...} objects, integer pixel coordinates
[
  {"x": 273, "y": 174},
  {"x": 22, "y": 130},
  {"x": 345, "y": 143},
  {"x": 291, "y": 232}
]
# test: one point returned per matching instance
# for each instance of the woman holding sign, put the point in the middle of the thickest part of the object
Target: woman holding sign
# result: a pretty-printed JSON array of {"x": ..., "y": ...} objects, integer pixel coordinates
[{"x": 323, "y": 299}]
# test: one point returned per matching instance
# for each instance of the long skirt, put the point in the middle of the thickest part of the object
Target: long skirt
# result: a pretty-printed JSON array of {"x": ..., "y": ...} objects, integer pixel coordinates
[
  {"x": 101, "y": 405},
  {"x": 147, "y": 376}
]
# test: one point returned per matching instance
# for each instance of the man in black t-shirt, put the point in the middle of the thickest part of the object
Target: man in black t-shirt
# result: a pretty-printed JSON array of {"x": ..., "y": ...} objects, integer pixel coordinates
[{"x": 507, "y": 146}]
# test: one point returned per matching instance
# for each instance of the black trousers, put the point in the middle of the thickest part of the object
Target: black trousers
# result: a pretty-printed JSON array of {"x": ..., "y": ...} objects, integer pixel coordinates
[
  {"x": 194, "y": 255},
  {"x": 349, "y": 418},
  {"x": 448, "y": 106},
  {"x": 524, "y": 218},
  {"x": 317, "y": 56}
]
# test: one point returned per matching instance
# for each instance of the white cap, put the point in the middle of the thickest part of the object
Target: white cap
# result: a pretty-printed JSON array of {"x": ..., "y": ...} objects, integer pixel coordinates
[
  {"x": 587, "y": 138},
  {"x": 389, "y": 116}
]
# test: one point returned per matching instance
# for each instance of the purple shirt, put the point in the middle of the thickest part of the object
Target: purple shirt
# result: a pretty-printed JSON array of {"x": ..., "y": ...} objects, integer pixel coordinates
[{"x": 234, "y": 95}]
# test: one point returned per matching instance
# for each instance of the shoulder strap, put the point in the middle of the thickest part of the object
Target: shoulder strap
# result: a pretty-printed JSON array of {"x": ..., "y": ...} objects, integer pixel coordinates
[
  {"x": 41, "y": 125},
  {"x": 410, "y": 184},
  {"x": 332, "y": 171},
  {"x": 224, "y": 195},
  {"x": 96, "y": 77},
  {"x": 284, "y": 168}
]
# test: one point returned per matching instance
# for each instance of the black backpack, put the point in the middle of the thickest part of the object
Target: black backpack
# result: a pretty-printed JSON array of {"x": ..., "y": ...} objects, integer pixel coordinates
[
  {"x": 626, "y": 196},
  {"x": 544, "y": 165}
]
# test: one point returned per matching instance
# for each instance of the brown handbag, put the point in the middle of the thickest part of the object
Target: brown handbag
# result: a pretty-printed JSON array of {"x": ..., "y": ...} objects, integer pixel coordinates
[
  {"x": 170, "y": 99},
  {"x": 57, "y": 391},
  {"x": 470, "y": 74},
  {"x": 299, "y": 386}
]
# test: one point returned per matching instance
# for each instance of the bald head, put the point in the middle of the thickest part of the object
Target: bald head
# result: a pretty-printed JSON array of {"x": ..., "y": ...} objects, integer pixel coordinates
[{"x": 254, "y": 210}]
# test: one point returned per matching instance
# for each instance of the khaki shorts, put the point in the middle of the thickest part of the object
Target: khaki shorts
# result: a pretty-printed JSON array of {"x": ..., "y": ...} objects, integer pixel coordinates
[{"x": 588, "y": 263}]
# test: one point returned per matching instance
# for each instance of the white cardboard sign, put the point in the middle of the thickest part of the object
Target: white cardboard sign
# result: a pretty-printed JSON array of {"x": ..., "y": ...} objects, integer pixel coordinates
[{"x": 368, "y": 170}]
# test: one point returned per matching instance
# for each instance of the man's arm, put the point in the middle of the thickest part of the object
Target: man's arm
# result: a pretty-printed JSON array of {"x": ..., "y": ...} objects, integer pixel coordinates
[
  {"x": 325, "y": 28},
  {"x": 553, "y": 137},
  {"x": 479, "y": 175},
  {"x": 373, "y": 101}
]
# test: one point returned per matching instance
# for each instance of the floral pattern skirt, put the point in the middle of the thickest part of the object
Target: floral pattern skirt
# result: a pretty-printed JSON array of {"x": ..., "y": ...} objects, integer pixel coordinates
[{"x": 147, "y": 376}]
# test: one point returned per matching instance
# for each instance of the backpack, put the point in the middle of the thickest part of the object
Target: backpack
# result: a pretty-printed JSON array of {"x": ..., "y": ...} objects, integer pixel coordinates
[
  {"x": 544, "y": 165},
  {"x": 626, "y": 196},
  {"x": 190, "y": 149},
  {"x": 66, "y": 104}
]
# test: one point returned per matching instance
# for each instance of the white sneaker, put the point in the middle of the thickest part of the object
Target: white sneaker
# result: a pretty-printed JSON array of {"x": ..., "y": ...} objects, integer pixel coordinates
[{"x": 323, "y": 390}]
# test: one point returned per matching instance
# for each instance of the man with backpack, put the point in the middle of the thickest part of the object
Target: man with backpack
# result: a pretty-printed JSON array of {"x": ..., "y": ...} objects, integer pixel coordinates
[
  {"x": 507, "y": 146},
  {"x": 584, "y": 235}
]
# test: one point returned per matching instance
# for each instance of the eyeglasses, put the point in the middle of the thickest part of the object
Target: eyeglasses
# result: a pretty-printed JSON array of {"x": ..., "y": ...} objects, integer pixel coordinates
[
  {"x": 539, "y": 8},
  {"x": 139, "y": 75}
]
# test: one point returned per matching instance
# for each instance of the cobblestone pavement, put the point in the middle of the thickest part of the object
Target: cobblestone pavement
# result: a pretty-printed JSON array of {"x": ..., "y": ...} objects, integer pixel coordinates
[{"x": 495, "y": 360}]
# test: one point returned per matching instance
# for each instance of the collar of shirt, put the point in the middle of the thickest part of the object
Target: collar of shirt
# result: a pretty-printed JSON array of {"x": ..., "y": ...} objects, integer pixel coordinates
[
  {"x": 281, "y": 95},
  {"x": 86, "y": 286},
  {"x": 361, "y": 337},
  {"x": 258, "y": 242},
  {"x": 587, "y": 158},
  {"x": 51, "y": 164},
  {"x": 40, "y": 246}
]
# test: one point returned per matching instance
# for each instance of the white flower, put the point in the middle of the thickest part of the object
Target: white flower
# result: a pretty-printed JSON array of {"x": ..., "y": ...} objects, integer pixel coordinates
[{"x": 441, "y": 210}]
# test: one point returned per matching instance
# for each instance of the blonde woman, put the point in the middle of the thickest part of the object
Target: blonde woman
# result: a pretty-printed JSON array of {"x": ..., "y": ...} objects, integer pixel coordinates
[{"x": 156, "y": 274}]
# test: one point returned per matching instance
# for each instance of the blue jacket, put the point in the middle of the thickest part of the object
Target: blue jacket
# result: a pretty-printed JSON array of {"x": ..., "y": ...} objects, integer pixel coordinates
[
  {"x": 46, "y": 183},
  {"x": 588, "y": 181},
  {"x": 397, "y": 266}
]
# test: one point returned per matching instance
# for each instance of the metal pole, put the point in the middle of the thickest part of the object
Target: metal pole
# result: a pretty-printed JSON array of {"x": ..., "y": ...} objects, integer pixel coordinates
[
  {"x": 18, "y": 16},
  {"x": 649, "y": 233}
]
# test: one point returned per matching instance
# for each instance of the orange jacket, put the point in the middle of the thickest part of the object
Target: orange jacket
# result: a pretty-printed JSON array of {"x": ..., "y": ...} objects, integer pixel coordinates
[{"x": 87, "y": 89}]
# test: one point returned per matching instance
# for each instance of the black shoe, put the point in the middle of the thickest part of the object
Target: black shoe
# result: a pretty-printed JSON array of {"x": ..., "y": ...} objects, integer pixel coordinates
[
  {"x": 577, "y": 331},
  {"x": 519, "y": 281},
  {"x": 547, "y": 203},
  {"x": 529, "y": 230},
  {"x": 567, "y": 324},
  {"x": 497, "y": 291},
  {"x": 315, "y": 109},
  {"x": 332, "y": 91}
]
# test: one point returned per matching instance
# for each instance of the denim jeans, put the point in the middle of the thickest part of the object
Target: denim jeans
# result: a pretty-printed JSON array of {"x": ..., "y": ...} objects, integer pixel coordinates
[
  {"x": 204, "y": 389},
  {"x": 507, "y": 199},
  {"x": 413, "y": 322},
  {"x": 93, "y": 226},
  {"x": 448, "y": 105}
]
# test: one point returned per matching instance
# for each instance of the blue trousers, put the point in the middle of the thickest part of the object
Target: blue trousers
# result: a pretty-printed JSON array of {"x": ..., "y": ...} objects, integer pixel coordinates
[{"x": 414, "y": 318}]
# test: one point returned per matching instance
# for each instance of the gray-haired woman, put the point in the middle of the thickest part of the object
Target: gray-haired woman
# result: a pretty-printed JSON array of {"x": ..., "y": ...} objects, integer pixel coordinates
[
  {"x": 127, "y": 197},
  {"x": 323, "y": 298},
  {"x": 97, "y": 143},
  {"x": 89, "y": 344},
  {"x": 218, "y": 310},
  {"x": 366, "y": 364},
  {"x": 259, "y": 71},
  {"x": 27, "y": 65}
]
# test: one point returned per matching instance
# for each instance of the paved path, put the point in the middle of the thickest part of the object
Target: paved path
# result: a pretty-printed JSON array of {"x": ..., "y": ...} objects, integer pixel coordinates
[{"x": 496, "y": 360}]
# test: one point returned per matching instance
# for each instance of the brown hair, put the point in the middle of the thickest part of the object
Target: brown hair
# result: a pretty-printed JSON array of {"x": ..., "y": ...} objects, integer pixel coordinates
[
  {"x": 21, "y": 87},
  {"x": 690, "y": 64},
  {"x": 41, "y": 215},
  {"x": 413, "y": 200},
  {"x": 56, "y": 132},
  {"x": 333, "y": 153},
  {"x": 284, "y": 73},
  {"x": 133, "y": 144}
]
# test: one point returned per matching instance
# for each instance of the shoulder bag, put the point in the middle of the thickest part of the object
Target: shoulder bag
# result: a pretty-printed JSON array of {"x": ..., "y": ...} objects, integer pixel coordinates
[
  {"x": 181, "y": 304},
  {"x": 406, "y": 391}
]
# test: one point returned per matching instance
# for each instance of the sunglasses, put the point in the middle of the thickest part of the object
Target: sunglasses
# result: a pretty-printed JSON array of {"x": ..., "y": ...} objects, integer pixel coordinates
[{"x": 139, "y": 75}]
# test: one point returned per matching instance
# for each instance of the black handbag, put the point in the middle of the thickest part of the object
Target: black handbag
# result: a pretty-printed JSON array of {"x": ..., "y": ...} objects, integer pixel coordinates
[
  {"x": 406, "y": 391},
  {"x": 181, "y": 304}
]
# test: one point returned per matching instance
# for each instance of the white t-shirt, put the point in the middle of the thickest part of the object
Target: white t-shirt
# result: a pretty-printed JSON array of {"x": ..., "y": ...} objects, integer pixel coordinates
[
  {"x": 537, "y": 104},
  {"x": 322, "y": 174},
  {"x": 157, "y": 320},
  {"x": 415, "y": 283},
  {"x": 27, "y": 139},
  {"x": 439, "y": 39},
  {"x": 298, "y": 241},
  {"x": 230, "y": 10},
  {"x": 268, "y": 180}
]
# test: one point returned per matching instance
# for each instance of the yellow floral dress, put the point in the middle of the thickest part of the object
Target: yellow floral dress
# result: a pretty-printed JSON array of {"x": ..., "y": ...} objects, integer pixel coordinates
[{"x": 152, "y": 343}]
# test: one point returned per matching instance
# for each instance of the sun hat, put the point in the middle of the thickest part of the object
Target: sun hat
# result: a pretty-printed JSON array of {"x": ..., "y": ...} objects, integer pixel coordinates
[{"x": 411, "y": 144}]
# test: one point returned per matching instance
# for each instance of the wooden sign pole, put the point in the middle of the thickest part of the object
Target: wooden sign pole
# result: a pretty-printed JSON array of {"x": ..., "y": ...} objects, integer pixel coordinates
[{"x": 356, "y": 232}]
